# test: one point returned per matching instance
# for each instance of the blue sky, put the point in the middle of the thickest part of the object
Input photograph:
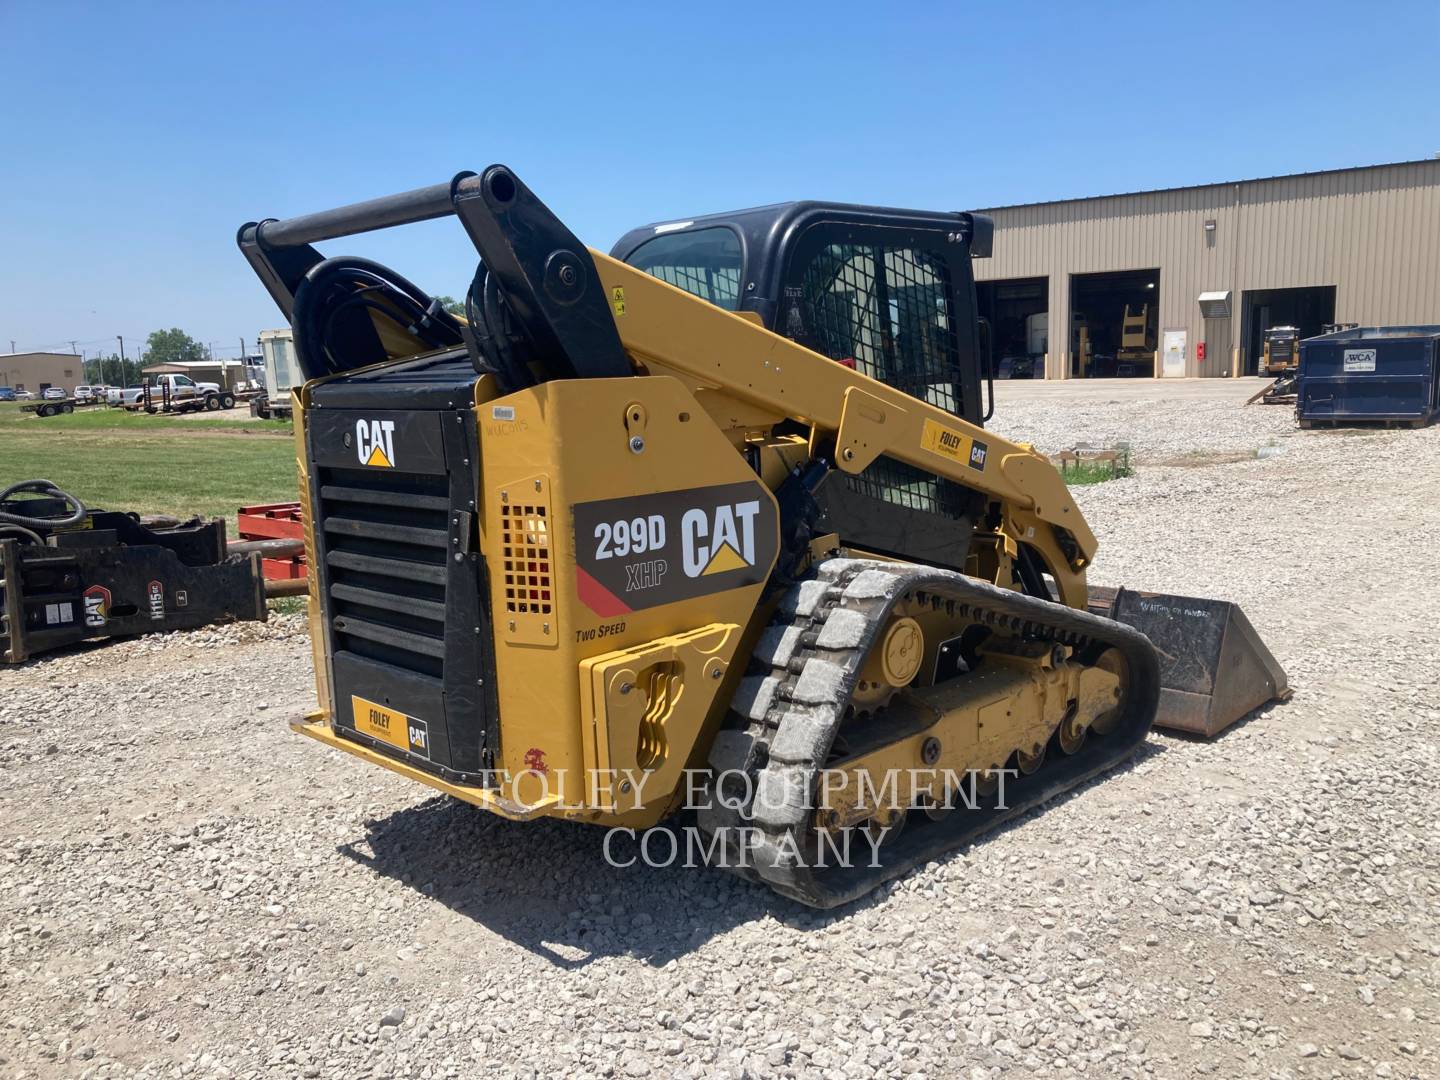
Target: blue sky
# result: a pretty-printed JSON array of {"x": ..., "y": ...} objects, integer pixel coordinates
[{"x": 138, "y": 136}]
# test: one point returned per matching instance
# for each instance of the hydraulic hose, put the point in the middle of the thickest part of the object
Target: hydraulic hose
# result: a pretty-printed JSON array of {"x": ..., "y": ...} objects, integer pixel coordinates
[
  {"x": 351, "y": 286},
  {"x": 330, "y": 339},
  {"x": 28, "y": 535},
  {"x": 47, "y": 489},
  {"x": 498, "y": 349}
]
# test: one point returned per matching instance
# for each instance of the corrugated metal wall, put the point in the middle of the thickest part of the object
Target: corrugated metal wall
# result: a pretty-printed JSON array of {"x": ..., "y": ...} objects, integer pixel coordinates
[
  {"x": 32, "y": 371},
  {"x": 1373, "y": 233}
]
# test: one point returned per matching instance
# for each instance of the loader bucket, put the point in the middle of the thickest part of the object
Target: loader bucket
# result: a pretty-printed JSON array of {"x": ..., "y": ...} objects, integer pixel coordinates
[{"x": 1214, "y": 669}]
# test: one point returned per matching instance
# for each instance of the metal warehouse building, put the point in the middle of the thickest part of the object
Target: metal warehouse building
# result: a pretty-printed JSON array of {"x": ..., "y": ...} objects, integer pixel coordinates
[
  {"x": 1204, "y": 271},
  {"x": 34, "y": 371}
]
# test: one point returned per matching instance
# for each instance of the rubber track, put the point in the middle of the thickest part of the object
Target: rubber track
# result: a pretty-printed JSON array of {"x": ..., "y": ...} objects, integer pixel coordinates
[{"x": 814, "y": 649}]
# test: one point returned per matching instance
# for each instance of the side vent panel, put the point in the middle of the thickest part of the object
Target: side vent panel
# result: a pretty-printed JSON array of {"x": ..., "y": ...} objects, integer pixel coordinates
[{"x": 525, "y": 590}]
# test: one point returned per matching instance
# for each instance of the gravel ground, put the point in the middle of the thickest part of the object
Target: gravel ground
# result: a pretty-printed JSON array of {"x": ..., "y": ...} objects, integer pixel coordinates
[
  {"x": 1107, "y": 413},
  {"x": 186, "y": 888},
  {"x": 240, "y": 414}
]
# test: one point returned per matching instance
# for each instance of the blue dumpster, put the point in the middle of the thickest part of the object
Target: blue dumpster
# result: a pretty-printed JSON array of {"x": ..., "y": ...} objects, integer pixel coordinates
[{"x": 1372, "y": 373}]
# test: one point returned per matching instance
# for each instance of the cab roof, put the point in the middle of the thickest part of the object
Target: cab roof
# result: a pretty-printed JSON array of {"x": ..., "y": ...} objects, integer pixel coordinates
[{"x": 767, "y": 232}]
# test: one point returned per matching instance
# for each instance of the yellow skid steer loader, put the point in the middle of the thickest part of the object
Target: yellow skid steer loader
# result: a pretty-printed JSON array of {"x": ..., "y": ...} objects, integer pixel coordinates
[{"x": 712, "y": 521}]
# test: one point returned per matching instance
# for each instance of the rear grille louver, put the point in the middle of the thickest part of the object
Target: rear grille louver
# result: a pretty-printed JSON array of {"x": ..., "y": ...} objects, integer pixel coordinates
[
  {"x": 394, "y": 458},
  {"x": 386, "y": 541}
]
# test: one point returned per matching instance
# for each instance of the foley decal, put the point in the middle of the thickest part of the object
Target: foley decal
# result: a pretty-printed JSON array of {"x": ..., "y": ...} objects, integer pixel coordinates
[
  {"x": 634, "y": 553},
  {"x": 408, "y": 733},
  {"x": 955, "y": 445}
]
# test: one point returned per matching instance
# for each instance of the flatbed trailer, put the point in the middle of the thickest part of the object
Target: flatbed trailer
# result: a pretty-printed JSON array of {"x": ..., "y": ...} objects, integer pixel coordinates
[
  {"x": 152, "y": 402},
  {"x": 55, "y": 406}
]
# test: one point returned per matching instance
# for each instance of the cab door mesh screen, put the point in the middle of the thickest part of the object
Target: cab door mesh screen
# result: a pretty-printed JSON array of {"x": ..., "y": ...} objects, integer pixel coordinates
[
  {"x": 885, "y": 309},
  {"x": 887, "y": 312}
]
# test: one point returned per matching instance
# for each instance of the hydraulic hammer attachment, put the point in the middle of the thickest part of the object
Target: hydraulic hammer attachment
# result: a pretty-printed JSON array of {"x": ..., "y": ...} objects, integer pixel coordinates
[
  {"x": 70, "y": 574},
  {"x": 1214, "y": 669}
]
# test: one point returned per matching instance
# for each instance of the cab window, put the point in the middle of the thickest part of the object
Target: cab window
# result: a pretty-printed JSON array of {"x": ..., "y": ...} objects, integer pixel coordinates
[{"x": 706, "y": 263}]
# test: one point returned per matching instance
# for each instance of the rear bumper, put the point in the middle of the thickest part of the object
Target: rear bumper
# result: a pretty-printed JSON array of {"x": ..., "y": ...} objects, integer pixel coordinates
[{"x": 317, "y": 727}]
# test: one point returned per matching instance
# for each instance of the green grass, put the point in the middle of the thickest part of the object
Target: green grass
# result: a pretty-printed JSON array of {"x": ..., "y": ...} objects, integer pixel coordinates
[
  {"x": 108, "y": 419},
  {"x": 151, "y": 464},
  {"x": 1097, "y": 472},
  {"x": 287, "y": 605}
]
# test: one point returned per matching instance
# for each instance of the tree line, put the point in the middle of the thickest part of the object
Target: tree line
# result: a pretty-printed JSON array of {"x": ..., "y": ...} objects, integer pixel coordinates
[{"x": 161, "y": 347}]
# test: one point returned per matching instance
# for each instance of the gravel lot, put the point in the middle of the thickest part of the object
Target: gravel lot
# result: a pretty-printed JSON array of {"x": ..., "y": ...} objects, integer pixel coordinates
[
  {"x": 1215, "y": 426},
  {"x": 186, "y": 888}
]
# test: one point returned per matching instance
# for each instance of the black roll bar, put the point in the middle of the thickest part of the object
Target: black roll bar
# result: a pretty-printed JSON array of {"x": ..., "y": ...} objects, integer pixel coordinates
[
  {"x": 546, "y": 274},
  {"x": 421, "y": 204}
]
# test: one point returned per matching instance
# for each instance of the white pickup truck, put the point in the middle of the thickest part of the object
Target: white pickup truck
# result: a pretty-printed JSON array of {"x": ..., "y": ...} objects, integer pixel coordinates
[{"x": 172, "y": 393}]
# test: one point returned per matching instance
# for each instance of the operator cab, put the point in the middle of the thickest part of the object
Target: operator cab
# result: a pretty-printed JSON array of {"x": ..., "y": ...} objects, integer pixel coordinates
[{"x": 889, "y": 293}]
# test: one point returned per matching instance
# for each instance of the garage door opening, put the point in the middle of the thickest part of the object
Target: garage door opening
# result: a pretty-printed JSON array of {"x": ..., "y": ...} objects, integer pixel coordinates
[
  {"x": 1114, "y": 324},
  {"x": 1307, "y": 309},
  {"x": 1019, "y": 326}
]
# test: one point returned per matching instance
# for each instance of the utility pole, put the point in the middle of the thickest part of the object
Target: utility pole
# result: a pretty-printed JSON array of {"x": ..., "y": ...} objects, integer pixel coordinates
[{"x": 124, "y": 375}]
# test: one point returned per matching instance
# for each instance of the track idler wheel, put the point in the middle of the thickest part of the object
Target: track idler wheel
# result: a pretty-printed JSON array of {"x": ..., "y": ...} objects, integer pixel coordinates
[
  {"x": 1070, "y": 735},
  {"x": 884, "y": 827},
  {"x": 892, "y": 665},
  {"x": 1111, "y": 661},
  {"x": 987, "y": 782},
  {"x": 1028, "y": 763},
  {"x": 937, "y": 809}
]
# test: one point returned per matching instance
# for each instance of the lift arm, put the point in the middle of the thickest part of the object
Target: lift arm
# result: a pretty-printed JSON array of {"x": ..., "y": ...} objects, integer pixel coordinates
[{"x": 672, "y": 332}]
